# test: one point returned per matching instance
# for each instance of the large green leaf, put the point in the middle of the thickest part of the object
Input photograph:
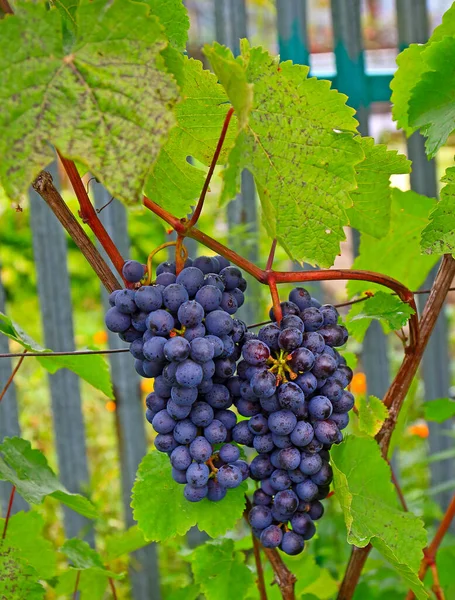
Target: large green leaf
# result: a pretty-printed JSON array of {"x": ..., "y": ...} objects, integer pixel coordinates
[
  {"x": 124, "y": 542},
  {"x": 18, "y": 579},
  {"x": 372, "y": 198},
  {"x": 93, "y": 368},
  {"x": 91, "y": 584},
  {"x": 220, "y": 571},
  {"x": 84, "y": 558},
  {"x": 438, "y": 237},
  {"x": 28, "y": 470},
  {"x": 106, "y": 102},
  {"x": 299, "y": 145},
  {"x": 173, "y": 17},
  {"x": 439, "y": 410},
  {"x": 398, "y": 253},
  {"x": 25, "y": 535},
  {"x": 162, "y": 511},
  {"x": 372, "y": 413},
  {"x": 412, "y": 65},
  {"x": 371, "y": 510},
  {"x": 431, "y": 105},
  {"x": 389, "y": 310},
  {"x": 174, "y": 183}
]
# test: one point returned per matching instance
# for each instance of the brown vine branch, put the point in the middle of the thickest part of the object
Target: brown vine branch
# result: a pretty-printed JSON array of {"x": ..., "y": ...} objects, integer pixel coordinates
[
  {"x": 13, "y": 374},
  {"x": 76, "y": 585},
  {"x": 216, "y": 155},
  {"x": 88, "y": 214},
  {"x": 429, "y": 558},
  {"x": 6, "y": 7},
  {"x": 260, "y": 571},
  {"x": 398, "y": 489},
  {"x": 394, "y": 399},
  {"x": 113, "y": 590},
  {"x": 43, "y": 184},
  {"x": 283, "y": 576},
  {"x": 8, "y": 511}
]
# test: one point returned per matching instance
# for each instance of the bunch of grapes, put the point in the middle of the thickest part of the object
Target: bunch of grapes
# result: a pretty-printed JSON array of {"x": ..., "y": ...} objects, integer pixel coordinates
[
  {"x": 181, "y": 333},
  {"x": 291, "y": 383}
]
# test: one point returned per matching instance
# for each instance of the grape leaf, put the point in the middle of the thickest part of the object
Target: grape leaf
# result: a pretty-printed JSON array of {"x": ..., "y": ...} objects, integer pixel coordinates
[
  {"x": 372, "y": 198},
  {"x": 232, "y": 75},
  {"x": 439, "y": 410},
  {"x": 124, "y": 542},
  {"x": 220, "y": 571},
  {"x": 93, "y": 368},
  {"x": 105, "y": 101},
  {"x": 390, "y": 310},
  {"x": 174, "y": 183},
  {"x": 397, "y": 253},
  {"x": 25, "y": 536},
  {"x": 173, "y": 17},
  {"x": 91, "y": 584},
  {"x": 18, "y": 580},
  {"x": 411, "y": 67},
  {"x": 162, "y": 512},
  {"x": 438, "y": 237},
  {"x": 28, "y": 470},
  {"x": 431, "y": 106},
  {"x": 372, "y": 414},
  {"x": 84, "y": 558},
  {"x": 311, "y": 578},
  {"x": 299, "y": 145},
  {"x": 371, "y": 511}
]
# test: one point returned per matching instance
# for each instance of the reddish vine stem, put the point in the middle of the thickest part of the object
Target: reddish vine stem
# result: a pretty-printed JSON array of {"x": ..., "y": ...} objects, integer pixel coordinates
[
  {"x": 113, "y": 590},
  {"x": 6, "y": 7},
  {"x": 44, "y": 186},
  {"x": 8, "y": 512},
  {"x": 398, "y": 489},
  {"x": 394, "y": 399},
  {"x": 76, "y": 585},
  {"x": 89, "y": 216},
  {"x": 216, "y": 155},
  {"x": 179, "y": 255},
  {"x": 12, "y": 376},
  {"x": 260, "y": 571},
  {"x": 269, "y": 265},
  {"x": 429, "y": 558},
  {"x": 437, "y": 589}
]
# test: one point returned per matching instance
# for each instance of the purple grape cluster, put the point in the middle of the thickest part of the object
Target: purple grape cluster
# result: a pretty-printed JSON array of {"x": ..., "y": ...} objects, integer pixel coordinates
[
  {"x": 182, "y": 333},
  {"x": 291, "y": 383}
]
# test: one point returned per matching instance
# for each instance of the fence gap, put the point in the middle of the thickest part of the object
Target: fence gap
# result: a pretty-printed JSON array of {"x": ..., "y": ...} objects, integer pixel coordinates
[{"x": 50, "y": 253}]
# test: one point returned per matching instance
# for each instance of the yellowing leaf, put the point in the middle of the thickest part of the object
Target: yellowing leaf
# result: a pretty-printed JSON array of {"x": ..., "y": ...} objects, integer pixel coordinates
[{"x": 372, "y": 414}]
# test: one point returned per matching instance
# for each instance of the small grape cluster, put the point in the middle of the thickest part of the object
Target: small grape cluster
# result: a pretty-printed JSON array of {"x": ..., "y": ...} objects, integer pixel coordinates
[
  {"x": 292, "y": 384},
  {"x": 181, "y": 333}
]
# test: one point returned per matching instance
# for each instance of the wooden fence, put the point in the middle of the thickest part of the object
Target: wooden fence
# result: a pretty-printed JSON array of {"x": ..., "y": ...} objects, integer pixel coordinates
[{"x": 49, "y": 246}]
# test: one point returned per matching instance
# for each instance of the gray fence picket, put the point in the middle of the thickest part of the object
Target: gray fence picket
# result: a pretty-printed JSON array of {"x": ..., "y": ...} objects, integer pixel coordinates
[
  {"x": 9, "y": 417},
  {"x": 130, "y": 420},
  {"x": 351, "y": 80},
  {"x": 413, "y": 27},
  {"x": 50, "y": 252}
]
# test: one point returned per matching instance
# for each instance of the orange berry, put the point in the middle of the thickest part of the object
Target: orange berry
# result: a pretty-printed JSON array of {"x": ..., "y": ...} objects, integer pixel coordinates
[
  {"x": 100, "y": 337},
  {"x": 419, "y": 429},
  {"x": 111, "y": 406},
  {"x": 359, "y": 384}
]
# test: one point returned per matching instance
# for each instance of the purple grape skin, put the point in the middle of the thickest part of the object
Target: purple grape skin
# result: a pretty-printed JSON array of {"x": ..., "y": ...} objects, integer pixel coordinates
[
  {"x": 310, "y": 463},
  {"x": 153, "y": 349},
  {"x": 301, "y": 297},
  {"x": 324, "y": 366},
  {"x": 155, "y": 402},
  {"x": 117, "y": 321},
  {"x": 192, "y": 333},
  {"x": 303, "y": 434},
  {"x": 281, "y": 441},
  {"x": 133, "y": 271},
  {"x": 197, "y": 474},
  {"x": 341, "y": 420},
  {"x": 165, "y": 442},
  {"x": 320, "y": 408},
  {"x": 313, "y": 341},
  {"x": 152, "y": 368},
  {"x": 316, "y": 510},
  {"x": 330, "y": 314},
  {"x": 173, "y": 296},
  {"x": 302, "y": 360},
  {"x": 112, "y": 296},
  {"x": 261, "y": 467},
  {"x": 216, "y": 491},
  {"x": 269, "y": 335},
  {"x": 333, "y": 335},
  {"x": 263, "y": 384},
  {"x": 263, "y": 443},
  {"x": 124, "y": 302},
  {"x": 260, "y": 498},
  {"x": 231, "y": 277},
  {"x": 192, "y": 279},
  {"x": 296, "y": 476},
  {"x": 255, "y": 352},
  {"x": 324, "y": 476},
  {"x": 227, "y": 417},
  {"x": 293, "y": 321},
  {"x": 260, "y": 516},
  {"x": 287, "y": 308},
  {"x": 344, "y": 404},
  {"x": 242, "y": 435},
  {"x": 189, "y": 373},
  {"x": 229, "y": 303},
  {"x": 327, "y": 432},
  {"x": 292, "y": 543},
  {"x": 205, "y": 264},
  {"x": 229, "y": 453},
  {"x": 200, "y": 449},
  {"x": 302, "y": 524},
  {"x": 185, "y": 431},
  {"x": 165, "y": 279},
  {"x": 209, "y": 297},
  {"x": 271, "y": 536},
  {"x": 224, "y": 367},
  {"x": 282, "y": 422},
  {"x": 218, "y": 323},
  {"x": 165, "y": 267},
  {"x": 184, "y": 396},
  {"x": 290, "y": 396},
  {"x": 258, "y": 425},
  {"x": 270, "y": 404},
  {"x": 290, "y": 339},
  {"x": 289, "y": 458},
  {"x": 180, "y": 458},
  {"x": 332, "y": 389},
  {"x": 286, "y": 501},
  {"x": 312, "y": 319},
  {"x": 219, "y": 397},
  {"x": 195, "y": 494},
  {"x": 279, "y": 480},
  {"x": 163, "y": 422},
  {"x": 243, "y": 468},
  {"x": 216, "y": 432},
  {"x": 160, "y": 322},
  {"x": 229, "y": 476},
  {"x": 148, "y": 298},
  {"x": 201, "y": 414},
  {"x": 307, "y": 490}
]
